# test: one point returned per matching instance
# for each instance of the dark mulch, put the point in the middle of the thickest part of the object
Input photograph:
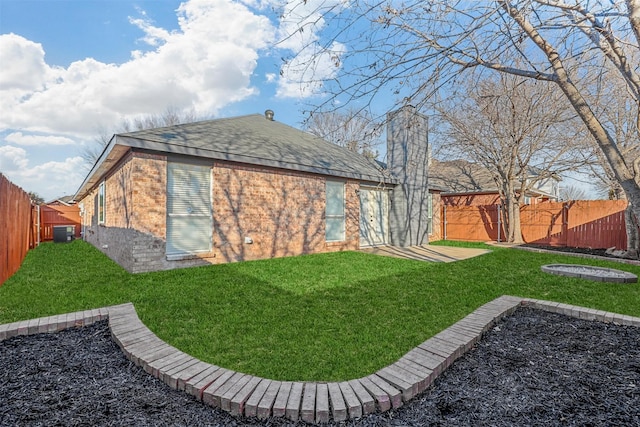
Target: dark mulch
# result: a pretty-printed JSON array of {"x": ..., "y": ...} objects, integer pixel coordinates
[{"x": 534, "y": 368}]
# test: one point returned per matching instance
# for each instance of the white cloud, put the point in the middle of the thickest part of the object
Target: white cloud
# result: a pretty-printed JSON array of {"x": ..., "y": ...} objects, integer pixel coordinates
[
  {"x": 19, "y": 138},
  {"x": 263, "y": 4},
  {"x": 271, "y": 77},
  {"x": 305, "y": 74},
  {"x": 312, "y": 63},
  {"x": 50, "y": 180},
  {"x": 154, "y": 36},
  {"x": 204, "y": 65},
  {"x": 23, "y": 65},
  {"x": 12, "y": 158}
]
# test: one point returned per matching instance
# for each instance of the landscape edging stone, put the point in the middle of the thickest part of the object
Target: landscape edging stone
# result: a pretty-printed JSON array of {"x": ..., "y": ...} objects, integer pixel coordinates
[{"x": 387, "y": 388}]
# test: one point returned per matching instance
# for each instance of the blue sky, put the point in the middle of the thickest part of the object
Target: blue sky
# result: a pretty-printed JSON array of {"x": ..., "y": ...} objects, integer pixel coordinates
[{"x": 72, "y": 70}]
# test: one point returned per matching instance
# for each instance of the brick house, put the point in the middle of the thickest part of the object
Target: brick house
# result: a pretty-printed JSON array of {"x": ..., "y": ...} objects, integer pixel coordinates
[{"x": 249, "y": 188}]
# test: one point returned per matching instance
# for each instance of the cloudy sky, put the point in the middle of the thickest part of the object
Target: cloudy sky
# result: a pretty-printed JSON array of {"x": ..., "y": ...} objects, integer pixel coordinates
[{"x": 72, "y": 70}]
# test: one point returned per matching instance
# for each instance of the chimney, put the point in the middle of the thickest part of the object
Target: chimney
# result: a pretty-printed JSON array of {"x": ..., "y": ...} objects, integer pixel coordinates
[{"x": 408, "y": 160}]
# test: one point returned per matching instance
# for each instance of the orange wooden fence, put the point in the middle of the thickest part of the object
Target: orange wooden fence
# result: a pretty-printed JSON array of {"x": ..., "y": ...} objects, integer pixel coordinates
[
  {"x": 583, "y": 223},
  {"x": 17, "y": 234},
  {"x": 58, "y": 214}
]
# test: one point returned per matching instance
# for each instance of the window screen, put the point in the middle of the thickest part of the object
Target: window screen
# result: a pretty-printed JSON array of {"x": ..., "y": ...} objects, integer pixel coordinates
[
  {"x": 335, "y": 211},
  {"x": 189, "y": 214}
]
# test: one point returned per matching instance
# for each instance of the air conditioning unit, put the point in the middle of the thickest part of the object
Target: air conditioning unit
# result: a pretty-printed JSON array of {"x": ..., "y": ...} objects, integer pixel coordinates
[{"x": 63, "y": 233}]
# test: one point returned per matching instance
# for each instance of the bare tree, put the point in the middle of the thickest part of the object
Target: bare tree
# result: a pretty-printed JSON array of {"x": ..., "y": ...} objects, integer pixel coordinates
[
  {"x": 571, "y": 192},
  {"x": 170, "y": 117},
  {"x": 618, "y": 112},
  {"x": 415, "y": 48},
  {"x": 35, "y": 198},
  {"x": 355, "y": 130},
  {"x": 519, "y": 131}
]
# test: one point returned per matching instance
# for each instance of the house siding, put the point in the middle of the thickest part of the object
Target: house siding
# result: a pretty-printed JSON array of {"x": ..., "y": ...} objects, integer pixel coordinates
[{"x": 280, "y": 212}]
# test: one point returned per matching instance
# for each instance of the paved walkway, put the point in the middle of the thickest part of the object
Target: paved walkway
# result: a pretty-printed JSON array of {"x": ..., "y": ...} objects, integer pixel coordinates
[
  {"x": 427, "y": 252},
  {"x": 313, "y": 402}
]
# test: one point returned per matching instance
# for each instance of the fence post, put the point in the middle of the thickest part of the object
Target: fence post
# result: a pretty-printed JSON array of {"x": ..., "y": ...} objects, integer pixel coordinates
[
  {"x": 39, "y": 224},
  {"x": 565, "y": 223},
  {"x": 499, "y": 222}
]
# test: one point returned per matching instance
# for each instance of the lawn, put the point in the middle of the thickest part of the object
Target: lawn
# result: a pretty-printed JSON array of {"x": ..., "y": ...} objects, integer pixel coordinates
[{"x": 318, "y": 317}]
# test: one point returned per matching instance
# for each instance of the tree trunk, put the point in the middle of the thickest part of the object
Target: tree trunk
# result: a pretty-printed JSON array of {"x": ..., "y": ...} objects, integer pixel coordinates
[
  {"x": 512, "y": 220},
  {"x": 624, "y": 175},
  {"x": 516, "y": 228},
  {"x": 633, "y": 237},
  {"x": 633, "y": 6}
]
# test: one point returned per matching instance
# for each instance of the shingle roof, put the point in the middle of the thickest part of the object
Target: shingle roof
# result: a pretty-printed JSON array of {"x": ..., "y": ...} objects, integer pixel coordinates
[
  {"x": 248, "y": 139},
  {"x": 460, "y": 176}
]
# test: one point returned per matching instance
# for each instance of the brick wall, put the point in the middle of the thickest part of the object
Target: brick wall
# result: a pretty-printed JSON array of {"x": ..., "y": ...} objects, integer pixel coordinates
[
  {"x": 150, "y": 194},
  {"x": 135, "y": 210},
  {"x": 281, "y": 212}
]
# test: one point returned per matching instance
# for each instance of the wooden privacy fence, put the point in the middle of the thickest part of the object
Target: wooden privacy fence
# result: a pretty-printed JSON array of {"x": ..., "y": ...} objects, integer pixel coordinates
[
  {"x": 581, "y": 224},
  {"x": 53, "y": 215},
  {"x": 17, "y": 232}
]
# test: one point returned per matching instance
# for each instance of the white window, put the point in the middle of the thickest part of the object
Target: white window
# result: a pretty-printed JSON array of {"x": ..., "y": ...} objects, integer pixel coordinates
[
  {"x": 101, "y": 203},
  {"x": 334, "y": 212},
  {"x": 189, "y": 213}
]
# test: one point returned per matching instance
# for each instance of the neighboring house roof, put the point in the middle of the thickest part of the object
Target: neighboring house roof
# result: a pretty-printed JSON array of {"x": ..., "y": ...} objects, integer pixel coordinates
[
  {"x": 251, "y": 139},
  {"x": 460, "y": 176},
  {"x": 464, "y": 177},
  {"x": 64, "y": 200}
]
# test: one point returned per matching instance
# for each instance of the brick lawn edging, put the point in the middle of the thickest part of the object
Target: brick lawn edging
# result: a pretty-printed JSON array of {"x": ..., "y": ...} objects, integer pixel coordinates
[{"x": 313, "y": 402}]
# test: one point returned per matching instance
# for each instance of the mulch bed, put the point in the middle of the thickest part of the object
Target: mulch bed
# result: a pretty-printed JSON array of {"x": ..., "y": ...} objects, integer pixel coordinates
[{"x": 533, "y": 368}]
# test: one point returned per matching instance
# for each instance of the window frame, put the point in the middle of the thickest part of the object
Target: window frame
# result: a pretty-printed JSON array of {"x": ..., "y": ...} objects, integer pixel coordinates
[
  {"x": 172, "y": 252},
  {"x": 102, "y": 205},
  {"x": 332, "y": 216}
]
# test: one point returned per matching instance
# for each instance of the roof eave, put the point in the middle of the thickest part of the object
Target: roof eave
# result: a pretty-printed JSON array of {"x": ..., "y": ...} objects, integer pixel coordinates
[{"x": 109, "y": 156}]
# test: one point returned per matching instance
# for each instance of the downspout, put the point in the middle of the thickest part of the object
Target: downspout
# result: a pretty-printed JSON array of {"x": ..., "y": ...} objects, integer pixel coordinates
[
  {"x": 84, "y": 223},
  {"x": 444, "y": 222}
]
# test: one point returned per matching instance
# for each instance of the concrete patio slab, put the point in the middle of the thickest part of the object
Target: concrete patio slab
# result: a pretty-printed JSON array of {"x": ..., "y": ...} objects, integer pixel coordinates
[{"x": 428, "y": 253}]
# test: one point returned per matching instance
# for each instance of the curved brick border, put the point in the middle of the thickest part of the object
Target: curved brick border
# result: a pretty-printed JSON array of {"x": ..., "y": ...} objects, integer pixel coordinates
[{"x": 313, "y": 402}]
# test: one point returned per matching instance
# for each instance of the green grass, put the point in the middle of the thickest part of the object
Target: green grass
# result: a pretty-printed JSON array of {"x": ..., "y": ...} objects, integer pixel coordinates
[{"x": 325, "y": 317}]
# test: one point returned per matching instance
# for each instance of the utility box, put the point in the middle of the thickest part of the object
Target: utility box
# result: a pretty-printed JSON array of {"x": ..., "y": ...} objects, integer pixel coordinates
[{"x": 63, "y": 233}]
